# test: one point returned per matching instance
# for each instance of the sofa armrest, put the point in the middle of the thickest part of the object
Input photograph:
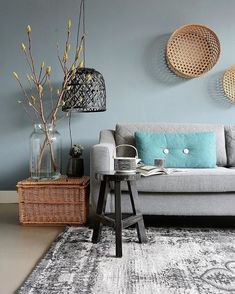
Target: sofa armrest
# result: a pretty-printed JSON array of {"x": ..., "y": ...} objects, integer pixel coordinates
[
  {"x": 107, "y": 137},
  {"x": 101, "y": 159}
]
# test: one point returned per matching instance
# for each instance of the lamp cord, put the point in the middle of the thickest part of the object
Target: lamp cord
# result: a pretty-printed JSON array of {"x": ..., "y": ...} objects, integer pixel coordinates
[
  {"x": 70, "y": 130},
  {"x": 84, "y": 31},
  {"x": 79, "y": 23},
  {"x": 81, "y": 18}
]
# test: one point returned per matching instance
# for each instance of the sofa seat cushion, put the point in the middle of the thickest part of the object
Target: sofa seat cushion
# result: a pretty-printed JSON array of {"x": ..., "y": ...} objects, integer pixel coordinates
[
  {"x": 217, "y": 180},
  {"x": 124, "y": 134}
]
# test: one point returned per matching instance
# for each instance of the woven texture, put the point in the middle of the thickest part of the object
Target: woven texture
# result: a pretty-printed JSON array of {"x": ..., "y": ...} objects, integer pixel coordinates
[
  {"x": 192, "y": 50},
  {"x": 174, "y": 261},
  {"x": 86, "y": 92},
  {"x": 62, "y": 201},
  {"x": 229, "y": 83}
]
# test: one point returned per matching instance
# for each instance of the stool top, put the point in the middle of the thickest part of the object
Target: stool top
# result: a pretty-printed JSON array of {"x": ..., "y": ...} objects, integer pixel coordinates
[{"x": 117, "y": 176}]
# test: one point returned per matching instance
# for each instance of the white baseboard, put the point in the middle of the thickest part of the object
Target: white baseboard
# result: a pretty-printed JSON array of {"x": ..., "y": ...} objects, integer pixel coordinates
[{"x": 8, "y": 197}]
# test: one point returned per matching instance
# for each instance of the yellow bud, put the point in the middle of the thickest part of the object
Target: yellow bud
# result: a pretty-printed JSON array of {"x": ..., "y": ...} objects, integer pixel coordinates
[
  {"x": 40, "y": 89},
  {"x": 80, "y": 64},
  {"x": 65, "y": 58},
  {"x": 42, "y": 64},
  {"x": 33, "y": 99},
  {"x": 79, "y": 49},
  {"x": 58, "y": 92},
  {"x": 28, "y": 29},
  {"x": 69, "y": 24},
  {"x": 73, "y": 67},
  {"x": 23, "y": 47},
  {"x": 48, "y": 70},
  {"x": 89, "y": 77},
  {"x": 15, "y": 75},
  {"x": 30, "y": 104},
  {"x": 62, "y": 103},
  {"x": 28, "y": 77},
  {"x": 74, "y": 72}
]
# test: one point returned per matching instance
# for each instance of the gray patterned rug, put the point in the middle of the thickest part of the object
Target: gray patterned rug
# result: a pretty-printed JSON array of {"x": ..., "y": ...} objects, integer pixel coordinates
[{"x": 187, "y": 261}]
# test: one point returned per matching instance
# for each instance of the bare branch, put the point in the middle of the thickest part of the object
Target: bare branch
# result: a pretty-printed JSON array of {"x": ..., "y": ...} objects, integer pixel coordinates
[
  {"x": 31, "y": 57},
  {"x": 58, "y": 56}
]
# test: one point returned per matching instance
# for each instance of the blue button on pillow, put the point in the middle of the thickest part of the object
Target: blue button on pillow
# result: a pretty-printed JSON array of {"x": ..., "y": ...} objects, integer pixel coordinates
[{"x": 184, "y": 150}]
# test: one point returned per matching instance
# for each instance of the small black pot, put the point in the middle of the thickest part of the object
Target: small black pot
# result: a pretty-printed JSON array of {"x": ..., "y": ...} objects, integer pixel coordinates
[{"x": 75, "y": 167}]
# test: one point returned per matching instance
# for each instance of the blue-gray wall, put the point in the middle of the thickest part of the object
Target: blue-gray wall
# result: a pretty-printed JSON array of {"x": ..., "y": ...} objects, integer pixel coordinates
[{"x": 125, "y": 42}]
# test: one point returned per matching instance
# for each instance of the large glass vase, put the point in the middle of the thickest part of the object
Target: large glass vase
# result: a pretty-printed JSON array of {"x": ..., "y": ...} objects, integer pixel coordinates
[{"x": 45, "y": 152}]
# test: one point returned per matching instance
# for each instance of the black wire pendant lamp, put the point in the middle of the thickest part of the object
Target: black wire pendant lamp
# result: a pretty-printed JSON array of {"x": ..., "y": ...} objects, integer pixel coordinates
[{"x": 86, "y": 90}]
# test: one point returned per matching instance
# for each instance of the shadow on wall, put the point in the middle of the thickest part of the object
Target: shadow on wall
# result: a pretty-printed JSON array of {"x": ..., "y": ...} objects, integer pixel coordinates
[
  {"x": 216, "y": 91},
  {"x": 156, "y": 65},
  {"x": 11, "y": 176}
]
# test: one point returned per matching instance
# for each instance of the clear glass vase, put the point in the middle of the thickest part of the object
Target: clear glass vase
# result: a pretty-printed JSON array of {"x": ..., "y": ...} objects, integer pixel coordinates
[{"x": 45, "y": 152}]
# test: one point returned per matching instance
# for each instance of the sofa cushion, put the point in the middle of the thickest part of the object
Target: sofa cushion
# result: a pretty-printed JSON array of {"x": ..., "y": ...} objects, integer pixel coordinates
[
  {"x": 230, "y": 144},
  {"x": 219, "y": 179},
  {"x": 124, "y": 134},
  {"x": 190, "y": 150}
]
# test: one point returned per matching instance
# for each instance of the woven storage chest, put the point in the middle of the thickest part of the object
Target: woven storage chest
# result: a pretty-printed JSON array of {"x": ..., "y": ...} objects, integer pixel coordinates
[{"x": 54, "y": 202}]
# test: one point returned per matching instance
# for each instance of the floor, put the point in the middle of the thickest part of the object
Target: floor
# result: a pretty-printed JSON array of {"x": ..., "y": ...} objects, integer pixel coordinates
[{"x": 21, "y": 247}]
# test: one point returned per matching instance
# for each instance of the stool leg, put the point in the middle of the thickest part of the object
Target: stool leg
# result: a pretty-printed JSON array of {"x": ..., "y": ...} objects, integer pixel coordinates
[
  {"x": 100, "y": 209},
  {"x": 118, "y": 219},
  {"x": 136, "y": 210}
]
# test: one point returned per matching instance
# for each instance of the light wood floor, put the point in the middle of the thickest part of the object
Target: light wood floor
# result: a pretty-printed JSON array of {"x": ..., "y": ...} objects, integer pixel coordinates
[{"x": 20, "y": 247}]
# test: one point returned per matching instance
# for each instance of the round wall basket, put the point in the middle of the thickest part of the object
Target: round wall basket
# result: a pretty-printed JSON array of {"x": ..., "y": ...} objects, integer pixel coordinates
[
  {"x": 192, "y": 50},
  {"x": 229, "y": 83}
]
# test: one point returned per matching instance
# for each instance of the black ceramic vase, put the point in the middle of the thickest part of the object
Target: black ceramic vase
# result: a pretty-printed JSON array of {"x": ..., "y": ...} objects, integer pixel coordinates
[{"x": 75, "y": 167}]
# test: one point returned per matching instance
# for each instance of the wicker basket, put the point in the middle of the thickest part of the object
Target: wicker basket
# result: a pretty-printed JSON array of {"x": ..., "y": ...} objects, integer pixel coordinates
[
  {"x": 54, "y": 202},
  {"x": 192, "y": 50},
  {"x": 229, "y": 83}
]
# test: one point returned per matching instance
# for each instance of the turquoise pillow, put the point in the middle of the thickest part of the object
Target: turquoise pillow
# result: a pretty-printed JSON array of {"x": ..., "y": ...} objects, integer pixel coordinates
[{"x": 183, "y": 150}]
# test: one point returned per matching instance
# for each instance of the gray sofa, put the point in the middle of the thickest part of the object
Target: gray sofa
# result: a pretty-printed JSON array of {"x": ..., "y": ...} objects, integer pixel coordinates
[{"x": 192, "y": 192}]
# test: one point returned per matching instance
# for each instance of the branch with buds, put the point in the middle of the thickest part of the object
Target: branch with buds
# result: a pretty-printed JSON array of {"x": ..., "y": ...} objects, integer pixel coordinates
[{"x": 39, "y": 81}]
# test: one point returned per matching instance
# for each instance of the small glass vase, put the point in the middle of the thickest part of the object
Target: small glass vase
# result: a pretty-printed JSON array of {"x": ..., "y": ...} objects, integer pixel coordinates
[{"x": 45, "y": 152}]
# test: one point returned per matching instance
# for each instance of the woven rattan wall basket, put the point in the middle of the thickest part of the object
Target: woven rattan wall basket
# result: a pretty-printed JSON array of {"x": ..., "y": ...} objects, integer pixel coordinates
[
  {"x": 229, "y": 83},
  {"x": 192, "y": 50}
]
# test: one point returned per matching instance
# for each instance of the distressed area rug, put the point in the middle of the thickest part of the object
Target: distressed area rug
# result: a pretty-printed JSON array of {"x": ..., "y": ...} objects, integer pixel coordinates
[{"x": 187, "y": 261}]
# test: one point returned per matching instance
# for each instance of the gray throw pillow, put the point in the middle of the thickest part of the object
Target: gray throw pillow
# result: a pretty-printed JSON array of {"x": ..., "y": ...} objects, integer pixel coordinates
[{"x": 230, "y": 145}]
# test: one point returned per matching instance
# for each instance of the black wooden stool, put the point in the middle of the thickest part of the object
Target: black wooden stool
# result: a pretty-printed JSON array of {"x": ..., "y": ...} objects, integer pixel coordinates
[{"x": 118, "y": 223}]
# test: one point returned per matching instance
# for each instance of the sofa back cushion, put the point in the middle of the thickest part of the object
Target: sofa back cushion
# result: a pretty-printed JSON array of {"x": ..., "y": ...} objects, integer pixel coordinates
[
  {"x": 230, "y": 144},
  {"x": 125, "y": 134},
  {"x": 184, "y": 150}
]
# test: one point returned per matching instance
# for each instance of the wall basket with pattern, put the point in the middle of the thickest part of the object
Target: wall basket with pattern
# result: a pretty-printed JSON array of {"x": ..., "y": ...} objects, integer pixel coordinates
[
  {"x": 192, "y": 50},
  {"x": 229, "y": 83}
]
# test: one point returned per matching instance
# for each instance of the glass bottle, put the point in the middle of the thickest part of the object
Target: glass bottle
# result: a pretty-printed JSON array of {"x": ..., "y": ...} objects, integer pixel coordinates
[{"x": 45, "y": 152}]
